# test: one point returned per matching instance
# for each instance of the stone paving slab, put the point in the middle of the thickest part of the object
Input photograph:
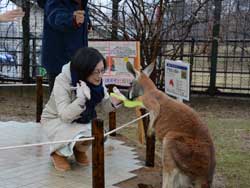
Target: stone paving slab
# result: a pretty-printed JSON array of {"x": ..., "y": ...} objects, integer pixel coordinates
[{"x": 32, "y": 167}]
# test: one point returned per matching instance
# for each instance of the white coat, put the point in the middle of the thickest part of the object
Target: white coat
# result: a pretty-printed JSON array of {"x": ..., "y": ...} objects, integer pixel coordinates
[{"x": 63, "y": 107}]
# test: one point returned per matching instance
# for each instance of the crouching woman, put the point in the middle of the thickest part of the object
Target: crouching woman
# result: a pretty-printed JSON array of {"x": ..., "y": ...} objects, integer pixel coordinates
[{"x": 78, "y": 89}]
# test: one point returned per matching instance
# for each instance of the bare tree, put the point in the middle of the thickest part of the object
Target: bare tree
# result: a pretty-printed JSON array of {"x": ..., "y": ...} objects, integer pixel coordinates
[
  {"x": 115, "y": 18},
  {"x": 152, "y": 21}
]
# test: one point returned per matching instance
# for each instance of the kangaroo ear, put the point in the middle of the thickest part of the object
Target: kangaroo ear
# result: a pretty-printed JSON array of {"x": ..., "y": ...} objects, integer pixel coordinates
[
  {"x": 149, "y": 69},
  {"x": 132, "y": 70}
]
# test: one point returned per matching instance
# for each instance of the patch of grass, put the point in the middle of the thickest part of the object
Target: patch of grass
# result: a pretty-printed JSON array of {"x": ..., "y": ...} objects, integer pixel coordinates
[{"x": 232, "y": 150}]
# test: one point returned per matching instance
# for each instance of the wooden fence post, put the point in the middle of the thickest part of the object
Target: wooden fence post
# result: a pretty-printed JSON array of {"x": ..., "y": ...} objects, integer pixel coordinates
[
  {"x": 112, "y": 116},
  {"x": 112, "y": 122},
  {"x": 150, "y": 142},
  {"x": 98, "y": 176},
  {"x": 39, "y": 97}
]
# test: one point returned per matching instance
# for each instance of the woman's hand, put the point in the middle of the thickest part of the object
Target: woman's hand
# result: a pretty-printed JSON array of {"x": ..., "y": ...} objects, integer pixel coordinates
[
  {"x": 79, "y": 17},
  {"x": 11, "y": 15},
  {"x": 82, "y": 90},
  {"x": 116, "y": 102}
]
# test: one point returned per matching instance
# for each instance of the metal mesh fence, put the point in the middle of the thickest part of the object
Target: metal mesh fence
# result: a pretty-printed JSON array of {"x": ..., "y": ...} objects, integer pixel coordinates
[
  {"x": 11, "y": 42},
  {"x": 233, "y": 66}
]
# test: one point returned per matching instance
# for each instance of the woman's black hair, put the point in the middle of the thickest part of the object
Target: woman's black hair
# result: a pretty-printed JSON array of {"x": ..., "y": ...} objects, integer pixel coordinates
[{"x": 84, "y": 62}]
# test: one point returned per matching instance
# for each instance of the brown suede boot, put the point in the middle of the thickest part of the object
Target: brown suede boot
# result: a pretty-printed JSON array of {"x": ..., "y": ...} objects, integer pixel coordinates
[
  {"x": 60, "y": 162},
  {"x": 81, "y": 157}
]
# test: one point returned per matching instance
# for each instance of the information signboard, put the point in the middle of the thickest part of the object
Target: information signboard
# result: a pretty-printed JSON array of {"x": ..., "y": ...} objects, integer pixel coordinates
[
  {"x": 177, "y": 79},
  {"x": 117, "y": 54}
]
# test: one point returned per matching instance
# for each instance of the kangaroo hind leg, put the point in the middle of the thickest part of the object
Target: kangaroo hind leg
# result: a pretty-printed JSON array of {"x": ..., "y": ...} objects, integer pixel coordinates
[{"x": 172, "y": 176}]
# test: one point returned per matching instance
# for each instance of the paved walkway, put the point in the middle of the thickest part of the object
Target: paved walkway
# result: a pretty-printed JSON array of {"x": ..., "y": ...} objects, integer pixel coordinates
[{"x": 32, "y": 168}]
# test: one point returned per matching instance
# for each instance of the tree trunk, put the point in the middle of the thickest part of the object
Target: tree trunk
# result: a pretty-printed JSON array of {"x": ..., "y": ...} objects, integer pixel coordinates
[{"x": 115, "y": 6}]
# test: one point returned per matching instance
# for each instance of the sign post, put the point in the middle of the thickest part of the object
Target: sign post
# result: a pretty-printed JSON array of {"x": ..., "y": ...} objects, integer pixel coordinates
[{"x": 177, "y": 79}]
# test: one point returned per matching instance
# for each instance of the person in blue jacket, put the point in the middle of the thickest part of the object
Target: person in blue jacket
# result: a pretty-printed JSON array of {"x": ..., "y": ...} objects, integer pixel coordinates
[{"x": 65, "y": 30}]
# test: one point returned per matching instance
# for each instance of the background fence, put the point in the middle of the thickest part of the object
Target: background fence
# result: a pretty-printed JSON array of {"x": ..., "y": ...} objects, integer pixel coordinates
[{"x": 218, "y": 48}]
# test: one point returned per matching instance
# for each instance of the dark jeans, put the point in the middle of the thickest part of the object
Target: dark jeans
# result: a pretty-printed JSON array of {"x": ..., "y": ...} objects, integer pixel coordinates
[{"x": 51, "y": 80}]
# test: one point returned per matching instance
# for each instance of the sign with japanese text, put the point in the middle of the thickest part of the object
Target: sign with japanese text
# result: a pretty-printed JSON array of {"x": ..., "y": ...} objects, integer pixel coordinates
[
  {"x": 117, "y": 54},
  {"x": 177, "y": 79}
]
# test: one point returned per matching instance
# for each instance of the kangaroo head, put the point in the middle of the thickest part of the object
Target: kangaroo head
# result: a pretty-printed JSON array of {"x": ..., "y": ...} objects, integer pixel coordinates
[{"x": 141, "y": 82}]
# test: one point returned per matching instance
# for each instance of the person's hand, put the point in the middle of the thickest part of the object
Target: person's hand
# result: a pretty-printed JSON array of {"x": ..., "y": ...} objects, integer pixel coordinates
[
  {"x": 79, "y": 17},
  {"x": 116, "y": 102},
  {"x": 90, "y": 28},
  {"x": 117, "y": 91},
  {"x": 82, "y": 90},
  {"x": 11, "y": 15}
]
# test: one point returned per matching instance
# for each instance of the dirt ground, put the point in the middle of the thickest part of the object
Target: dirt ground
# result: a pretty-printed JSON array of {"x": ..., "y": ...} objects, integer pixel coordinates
[{"x": 24, "y": 109}]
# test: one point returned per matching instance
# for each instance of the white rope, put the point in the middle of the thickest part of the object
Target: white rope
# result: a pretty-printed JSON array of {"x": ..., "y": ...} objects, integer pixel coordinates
[
  {"x": 46, "y": 143},
  {"x": 45, "y": 85},
  {"x": 7, "y": 85},
  {"x": 125, "y": 125},
  {"x": 73, "y": 140}
]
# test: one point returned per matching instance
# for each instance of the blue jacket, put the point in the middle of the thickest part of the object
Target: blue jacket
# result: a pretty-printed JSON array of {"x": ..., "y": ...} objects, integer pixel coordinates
[{"x": 61, "y": 38}]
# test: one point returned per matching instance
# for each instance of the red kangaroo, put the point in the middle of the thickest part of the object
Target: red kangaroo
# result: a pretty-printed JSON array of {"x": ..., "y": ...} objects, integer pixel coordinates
[{"x": 188, "y": 155}]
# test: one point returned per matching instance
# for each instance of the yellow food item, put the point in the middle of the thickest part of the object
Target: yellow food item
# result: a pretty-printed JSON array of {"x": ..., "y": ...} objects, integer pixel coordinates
[{"x": 127, "y": 103}]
